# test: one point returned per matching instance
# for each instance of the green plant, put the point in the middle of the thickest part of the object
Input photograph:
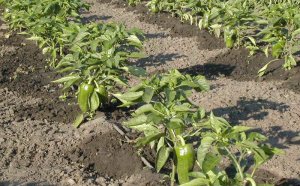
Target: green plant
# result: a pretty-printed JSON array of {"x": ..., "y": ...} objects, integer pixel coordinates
[
  {"x": 43, "y": 21},
  {"x": 267, "y": 26},
  {"x": 172, "y": 123},
  {"x": 99, "y": 58},
  {"x": 165, "y": 117}
]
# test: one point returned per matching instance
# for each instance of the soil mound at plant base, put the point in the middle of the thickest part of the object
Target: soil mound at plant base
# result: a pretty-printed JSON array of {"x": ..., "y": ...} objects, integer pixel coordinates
[
  {"x": 106, "y": 152},
  {"x": 23, "y": 71}
]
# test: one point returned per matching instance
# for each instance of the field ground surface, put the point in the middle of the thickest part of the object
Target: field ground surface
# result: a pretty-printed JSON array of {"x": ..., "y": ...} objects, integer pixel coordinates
[{"x": 38, "y": 144}]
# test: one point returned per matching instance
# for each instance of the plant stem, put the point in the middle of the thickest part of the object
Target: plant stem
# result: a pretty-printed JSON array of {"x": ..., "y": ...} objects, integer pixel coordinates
[
  {"x": 173, "y": 174},
  {"x": 237, "y": 165}
]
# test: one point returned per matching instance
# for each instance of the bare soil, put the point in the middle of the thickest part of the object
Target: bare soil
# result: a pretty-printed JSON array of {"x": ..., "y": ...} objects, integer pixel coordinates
[{"x": 38, "y": 144}]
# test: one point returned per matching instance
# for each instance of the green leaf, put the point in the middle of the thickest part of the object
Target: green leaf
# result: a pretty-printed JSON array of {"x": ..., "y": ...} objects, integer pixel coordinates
[
  {"x": 129, "y": 96},
  {"x": 146, "y": 140},
  {"x": 197, "y": 182},
  {"x": 238, "y": 129},
  {"x": 211, "y": 161},
  {"x": 134, "y": 40},
  {"x": 137, "y": 55},
  {"x": 143, "y": 109},
  {"x": 160, "y": 143},
  {"x": 137, "y": 71},
  {"x": 80, "y": 36},
  {"x": 148, "y": 94},
  {"x": 252, "y": 40},
  {"x": 203, "y": 149},
  {"x": 94, "y": 101},
  {"x": 182, "y": 108},
  {"x": 175, "y": 123},
  {"x": 79, "y": 119},
  {"x": 67, "y": 78},
  {"x": 138, "y": 120},
  {"x": 197, "y": 175},
  {"x": 263, "y": 70},
  {"x": 146, "y": 128},
  {"x": 162, "y": 157}
]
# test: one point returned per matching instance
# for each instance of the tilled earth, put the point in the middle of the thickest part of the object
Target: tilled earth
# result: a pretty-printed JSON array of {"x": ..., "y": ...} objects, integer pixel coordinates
[{"x": 39, "y": 145}]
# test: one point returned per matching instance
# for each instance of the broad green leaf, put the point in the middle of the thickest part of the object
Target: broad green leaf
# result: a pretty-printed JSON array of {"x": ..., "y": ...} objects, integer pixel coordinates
[
  {"x": 197, "y": 182},
  {"x": 238, "y": 129},
  {"x": 148, "y": 94},
  {"x": 148, "y": 139},
  {"x": 197, "y": 175},
  {"x": 80, "y": 36},
  {"x": 211, "y": 161},
  {"x": 79, "y": 119},
  {"x": 138, "y": 120},
  {"x": 94, "y": 101},
  {"x": 182, "y": 108},
  {"x": 162, "y": 157},
  {"x": 160, "y": 143},
  {"x": 137, "y": 71},
  {"x": 146, "y": 128},
  {"x": 137, "y": 55},
  {"x": 143, "y": 109},
  {"x": 203, "y": 149},
  {"x": 134, "y": 40},
  {"x": 175, "y": 123},
  {"x": 67, "y": 78},
  {"x": 252, "y": 40},
  {"x": 129, "y": 96}
]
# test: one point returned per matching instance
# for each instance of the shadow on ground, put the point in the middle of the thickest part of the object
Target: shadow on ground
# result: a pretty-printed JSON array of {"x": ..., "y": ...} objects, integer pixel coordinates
[
  {"x": 154, "y": 60},
  {"x": 94, "y": 18},
  {"x": 209, "y": 70},
  {"x": 246, "y": 109}
]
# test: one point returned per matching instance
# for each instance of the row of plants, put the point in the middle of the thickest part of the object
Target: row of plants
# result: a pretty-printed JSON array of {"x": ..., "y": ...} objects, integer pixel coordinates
[
  {"x": 269, "y": 26},
  {"x": 93, "y": 58}
]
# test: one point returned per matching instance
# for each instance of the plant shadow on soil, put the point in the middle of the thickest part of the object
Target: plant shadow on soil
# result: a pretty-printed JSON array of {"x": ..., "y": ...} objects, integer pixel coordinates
[
  {"x": 94, "y": 18},
  {"x": 154, "y": 60},
  {"x": 256, "y": 109},
  {"x": 246, "y": 109}
]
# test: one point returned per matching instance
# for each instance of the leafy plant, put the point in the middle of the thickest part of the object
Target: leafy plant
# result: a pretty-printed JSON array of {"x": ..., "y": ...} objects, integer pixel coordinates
[
  {"x": 267, "y": 26},
  {"x": 43, "y": 21},
  {"x": 97, "y": 62},
  {"x": 165, "y": 117},
  {"x": 173, "y": 125}
]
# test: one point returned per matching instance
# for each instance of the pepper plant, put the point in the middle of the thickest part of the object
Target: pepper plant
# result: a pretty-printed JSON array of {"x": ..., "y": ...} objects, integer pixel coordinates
[
  {"x": 174, "y": 125},
  {"x": 43, "y": 21},
  {"x": 165, "y": 118},
  {"x": 98, "y": 62},
  {"x": 269, "y": 26}
]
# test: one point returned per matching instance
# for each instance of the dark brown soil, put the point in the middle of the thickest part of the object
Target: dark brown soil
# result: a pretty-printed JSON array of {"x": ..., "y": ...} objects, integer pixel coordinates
[
  {"x": 109, "y": 155},
  {"x": 23, "y": 71}
]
